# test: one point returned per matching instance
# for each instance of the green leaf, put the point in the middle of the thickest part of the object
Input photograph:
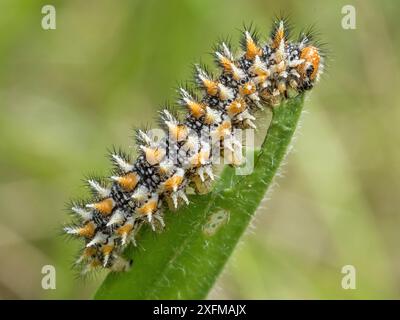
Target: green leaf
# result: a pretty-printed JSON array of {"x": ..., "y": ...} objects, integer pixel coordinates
[{"x": 184, "y": 261}]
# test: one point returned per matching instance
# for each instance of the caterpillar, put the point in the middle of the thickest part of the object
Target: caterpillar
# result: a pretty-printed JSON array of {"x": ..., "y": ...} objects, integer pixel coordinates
[{"x": 138, "y": 191}]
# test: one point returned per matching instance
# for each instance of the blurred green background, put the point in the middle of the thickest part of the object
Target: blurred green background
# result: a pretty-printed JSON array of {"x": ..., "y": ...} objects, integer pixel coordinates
[{"x": 68, "y": 94}]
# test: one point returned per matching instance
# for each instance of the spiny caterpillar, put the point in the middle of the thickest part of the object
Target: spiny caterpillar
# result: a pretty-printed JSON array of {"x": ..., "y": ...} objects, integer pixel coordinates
[{"x": 137, "y": 191}]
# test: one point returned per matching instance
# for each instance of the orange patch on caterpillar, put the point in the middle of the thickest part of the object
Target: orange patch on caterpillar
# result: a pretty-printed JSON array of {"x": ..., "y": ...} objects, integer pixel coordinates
[
  {"x": 310, "y": 55},
  {"x": 196, "y": 109},
  {"x": 252, "y": 50},
  {"x": 128, "y": 182},
  {"x": 259, "y": 69},
  {"x": 148, "y": 208},
  {"x": 173, "y": 183},
  {"x": 200, "y": 158},
  {"x": 224, "y": 129},
  {"x": 125, "y": 229},
  {"x": 87, "y": 230},
  {"x": 260, "y": 79},
  {"x": 211, "y": 87},
  {"x": 178, "y": 132},
  {"x": 279, "y": 36},
  {"x": 231, "y": 68},
  {"x": 248, "y": 88},
  {"x": 154, "y": 156},
  {"x": 236, "y": 107},
  {"x": 105, "y": 206},
  {"x": 107, "y": 249},
  {"x": 226, "y": 63}
]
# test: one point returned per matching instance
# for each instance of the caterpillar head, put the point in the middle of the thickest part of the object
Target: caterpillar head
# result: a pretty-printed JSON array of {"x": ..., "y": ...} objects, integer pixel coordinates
[{"x": 311, "y": 66}]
